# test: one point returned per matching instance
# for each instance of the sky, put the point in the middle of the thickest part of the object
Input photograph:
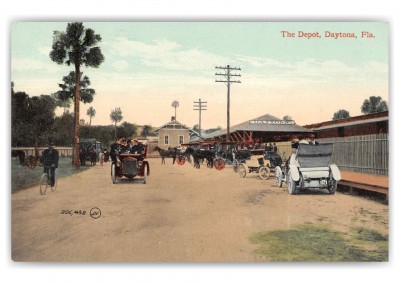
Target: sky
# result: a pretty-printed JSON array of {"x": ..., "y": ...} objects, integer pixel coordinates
[{"x": 150, "y": 64}]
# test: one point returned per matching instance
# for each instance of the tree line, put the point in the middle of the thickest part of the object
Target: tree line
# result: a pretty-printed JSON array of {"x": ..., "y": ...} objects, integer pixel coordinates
[
  {"x": 373, "y": 104},
  {"x": 35, "y": 124}
]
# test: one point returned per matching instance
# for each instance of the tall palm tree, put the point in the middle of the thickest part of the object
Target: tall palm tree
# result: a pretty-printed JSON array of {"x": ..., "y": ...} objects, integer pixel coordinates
[
  {"x": 68, "y": 90},
  {"x": 116, "y": 116},
  {"x": 77, "y": 46},
  {"x": 91, "y": 112},
  {"x": 175, "y": 104}
]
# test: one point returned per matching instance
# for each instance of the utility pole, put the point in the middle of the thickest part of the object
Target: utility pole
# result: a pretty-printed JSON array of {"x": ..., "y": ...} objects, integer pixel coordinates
[
  {"x": 200, "y": 106},
  {"x": 228, "y": 81}
]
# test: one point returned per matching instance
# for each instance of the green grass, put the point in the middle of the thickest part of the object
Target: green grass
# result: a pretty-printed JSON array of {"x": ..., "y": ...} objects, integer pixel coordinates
[
  {"x": 368, "y": 235},
  {"x": 318, "y": 244},
  {"x": 23, "y": 177}
]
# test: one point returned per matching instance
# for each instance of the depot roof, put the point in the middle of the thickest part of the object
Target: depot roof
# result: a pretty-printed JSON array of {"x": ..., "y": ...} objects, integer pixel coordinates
[{"x": 264, "y": 123}]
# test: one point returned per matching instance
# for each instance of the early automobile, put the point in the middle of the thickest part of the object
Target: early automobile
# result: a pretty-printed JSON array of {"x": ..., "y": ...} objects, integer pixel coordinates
[
  {"x": 309, "y": 168},
  {"x": 128, "y": 163},
  {"x": 258, "y": 163}
]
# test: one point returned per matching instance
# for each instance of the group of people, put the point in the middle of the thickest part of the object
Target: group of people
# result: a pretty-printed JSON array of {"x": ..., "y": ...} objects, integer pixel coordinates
[
  {"x": 130, "y": 146},
  {"x": 311, "y": 141},
  {"x": 295, "y": 145}
]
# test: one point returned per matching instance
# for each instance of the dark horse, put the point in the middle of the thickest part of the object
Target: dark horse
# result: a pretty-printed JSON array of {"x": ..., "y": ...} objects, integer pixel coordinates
[
  {"x": 170, "y": 153},
  {"x": 199, "y": 155},
  {"x": 20, "y": 155}
]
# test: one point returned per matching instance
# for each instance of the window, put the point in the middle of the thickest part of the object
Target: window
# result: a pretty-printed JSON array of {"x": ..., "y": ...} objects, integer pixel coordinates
[
  {"x": 181, "y": 139},
  {"x": 341, "y": 131},
  {"x": 166, "y": 139}
]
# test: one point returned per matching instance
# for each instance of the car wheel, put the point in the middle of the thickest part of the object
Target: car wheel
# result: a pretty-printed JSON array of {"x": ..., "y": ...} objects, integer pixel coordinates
[
  {"x": 145, "y": 174},
  {"x": 113, "y": 174},
  {"x": 278, "y": 176},
  {"x": 332, "y": 184},
  {"x": 291, "y": 184}
]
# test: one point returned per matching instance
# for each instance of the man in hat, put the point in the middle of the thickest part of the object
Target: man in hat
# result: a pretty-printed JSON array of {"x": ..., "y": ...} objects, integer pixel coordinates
[
  {"x": 50, "y": 163},
  {"x": 136, "y": 148},
  {"x": 312, "y": 140}
]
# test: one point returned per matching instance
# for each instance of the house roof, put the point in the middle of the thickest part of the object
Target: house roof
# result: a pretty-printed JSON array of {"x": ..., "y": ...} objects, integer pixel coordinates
[
  {"x": 173, "y": 124},
  {"x": 351, "y": 123},
  {"x": 353, "y": 120}
]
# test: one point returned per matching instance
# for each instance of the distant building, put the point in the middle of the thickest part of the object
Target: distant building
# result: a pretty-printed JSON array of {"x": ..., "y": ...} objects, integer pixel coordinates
[
  {"x": 375, "y": 123},
  {"x": 173, "y": 134},
  {"x": 265, "y": 128}
]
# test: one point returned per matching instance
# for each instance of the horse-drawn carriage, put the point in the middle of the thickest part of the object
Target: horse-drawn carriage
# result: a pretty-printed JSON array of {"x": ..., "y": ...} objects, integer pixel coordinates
[
  {"x": 260, "y": 162},
  {"x": 89, "y": 149},
  {"x": 129, "y": 162},
  {"x": 309, "y": 168}
]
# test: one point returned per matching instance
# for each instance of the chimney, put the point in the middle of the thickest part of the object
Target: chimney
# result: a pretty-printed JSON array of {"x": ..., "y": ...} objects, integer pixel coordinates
[{"x": 172, "y": 118}]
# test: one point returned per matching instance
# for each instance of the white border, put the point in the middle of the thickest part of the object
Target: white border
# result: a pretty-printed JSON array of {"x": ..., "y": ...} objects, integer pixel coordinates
[{"x": 204, "y": 10}]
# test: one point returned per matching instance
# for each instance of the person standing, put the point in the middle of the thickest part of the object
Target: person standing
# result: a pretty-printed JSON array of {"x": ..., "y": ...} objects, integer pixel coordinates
[
  {"x": 50, "y": 163},
  {"x": 312, "y": 140}
]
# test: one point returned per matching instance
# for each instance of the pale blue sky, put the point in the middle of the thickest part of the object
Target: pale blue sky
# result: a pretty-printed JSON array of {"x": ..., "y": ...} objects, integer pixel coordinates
[{"x": 150, "y": 64}]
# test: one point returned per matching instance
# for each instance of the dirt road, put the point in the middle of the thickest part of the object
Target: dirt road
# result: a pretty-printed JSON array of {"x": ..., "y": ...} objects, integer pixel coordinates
[{"x": 181, "y": 215}]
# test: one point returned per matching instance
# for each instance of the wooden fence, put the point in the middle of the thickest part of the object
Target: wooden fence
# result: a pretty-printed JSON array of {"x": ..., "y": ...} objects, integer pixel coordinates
[
  {"x": 364, "y": 154},
  {"x": 63, "y": 151}
]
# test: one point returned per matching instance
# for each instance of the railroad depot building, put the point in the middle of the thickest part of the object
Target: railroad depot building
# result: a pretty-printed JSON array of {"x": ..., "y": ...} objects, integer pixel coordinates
[
  {"x": 173, "y": 134},
  {"x": 375, "y": 123},
  {"x": 265, "y": 128}
]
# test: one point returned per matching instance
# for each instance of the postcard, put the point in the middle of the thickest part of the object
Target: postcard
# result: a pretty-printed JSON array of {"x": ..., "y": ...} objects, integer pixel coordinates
[{"x": 199, "y": 142}]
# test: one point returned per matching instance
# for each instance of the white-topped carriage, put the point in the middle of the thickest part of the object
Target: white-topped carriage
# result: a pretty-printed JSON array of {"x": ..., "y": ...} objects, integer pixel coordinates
[{"x": 309, "y": 168}]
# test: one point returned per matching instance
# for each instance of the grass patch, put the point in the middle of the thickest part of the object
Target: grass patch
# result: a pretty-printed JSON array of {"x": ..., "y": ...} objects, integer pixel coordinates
[
  {"x": 23, "y": 177},
  {"x": 368, "y": 235},
  {"x": 313, "y": 244}
]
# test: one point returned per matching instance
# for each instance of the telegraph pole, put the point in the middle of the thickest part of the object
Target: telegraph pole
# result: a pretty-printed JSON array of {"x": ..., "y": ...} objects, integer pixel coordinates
[
  {"x": 200, "y": 106},
  {"x": 228, "y": 81}
]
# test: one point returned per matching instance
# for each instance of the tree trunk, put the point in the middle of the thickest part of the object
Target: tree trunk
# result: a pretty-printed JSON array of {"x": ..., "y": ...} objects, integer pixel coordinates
[
  {"x": 90, "y": 125},
  {"x": 115, "y": 131},
  {"x": 76, "y": 113}
]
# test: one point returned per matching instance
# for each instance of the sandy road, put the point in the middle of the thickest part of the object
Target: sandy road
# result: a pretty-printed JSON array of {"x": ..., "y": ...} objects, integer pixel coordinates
[{"x": 181, "y": 215}]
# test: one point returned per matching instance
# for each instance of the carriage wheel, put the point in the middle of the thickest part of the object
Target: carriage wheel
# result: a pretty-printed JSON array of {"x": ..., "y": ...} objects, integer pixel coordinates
[
  {"x": 219, "y": 164},
  {"x": 31, "y": 162},
  {"x": 242, "y": 171},
  {"x": 43, "y": 184},
  {"x": 113, "y": 176},
  {"x": 144, "y": 174},
  {"x": 264, "y": 172},
  {"x": 235, "y": 166},
  {"x": 181, "y": 160}
]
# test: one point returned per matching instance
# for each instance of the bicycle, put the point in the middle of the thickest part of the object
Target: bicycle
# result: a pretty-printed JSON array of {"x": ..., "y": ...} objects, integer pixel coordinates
[{"x": 44, "y": 182}]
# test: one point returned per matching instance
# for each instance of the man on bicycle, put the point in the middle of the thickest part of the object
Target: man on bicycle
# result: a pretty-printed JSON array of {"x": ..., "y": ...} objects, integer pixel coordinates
[{"x": 50, "y": 163}]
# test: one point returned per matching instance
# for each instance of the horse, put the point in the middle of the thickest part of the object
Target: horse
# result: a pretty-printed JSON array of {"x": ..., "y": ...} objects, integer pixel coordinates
[
  {"x": 93, "y": 157},
  {"x": 170, "y": 153},
  {"x": 20, "y": 155},
  {"x": 200, "y": 155}
]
